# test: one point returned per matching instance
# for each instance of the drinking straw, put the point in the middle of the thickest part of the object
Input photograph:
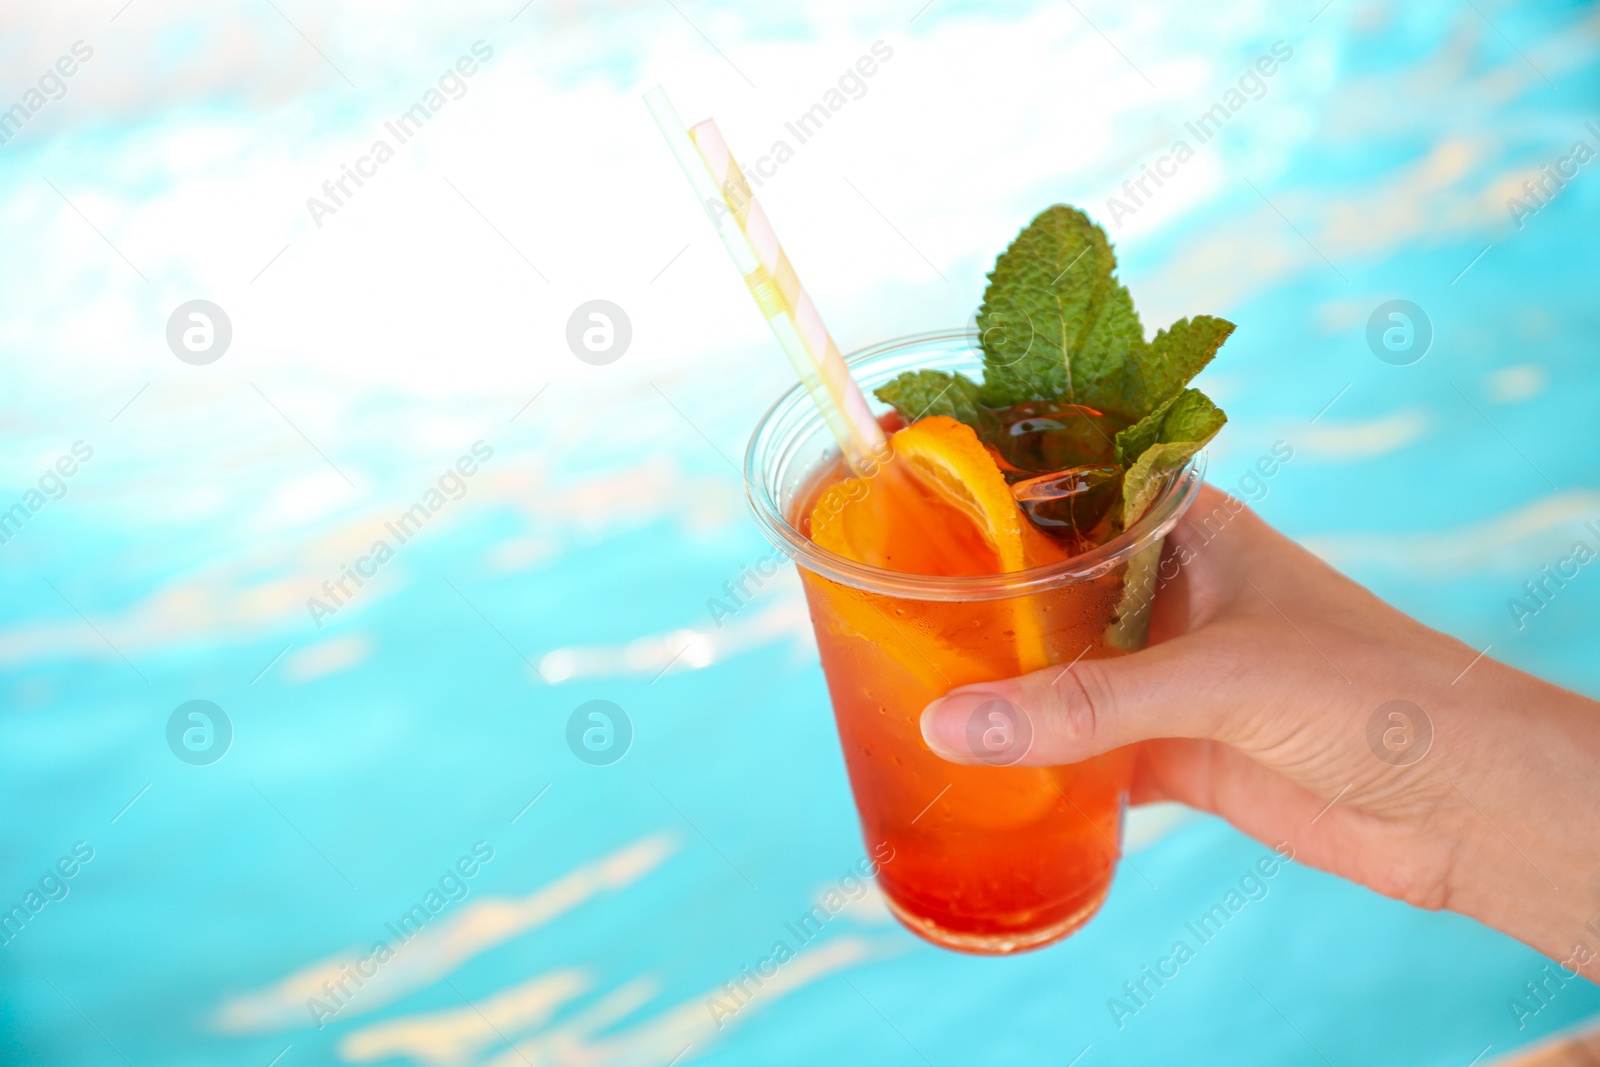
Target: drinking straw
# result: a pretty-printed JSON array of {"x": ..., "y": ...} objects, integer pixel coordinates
[{"x": 722, "y": 190}]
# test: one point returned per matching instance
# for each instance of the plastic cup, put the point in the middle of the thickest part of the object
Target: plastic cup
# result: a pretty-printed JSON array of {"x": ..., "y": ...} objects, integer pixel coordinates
[{"x": 993, "y": 858}]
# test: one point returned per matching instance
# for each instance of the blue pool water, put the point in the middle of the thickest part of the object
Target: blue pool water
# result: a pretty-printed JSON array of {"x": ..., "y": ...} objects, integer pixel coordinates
[{"x": 226, "y": 905}]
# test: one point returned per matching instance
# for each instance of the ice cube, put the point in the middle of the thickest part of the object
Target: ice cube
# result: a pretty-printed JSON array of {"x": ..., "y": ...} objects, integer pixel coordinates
[
  {"x": 1075, "y": 506},
  {"x": 1040, "y": 437}
]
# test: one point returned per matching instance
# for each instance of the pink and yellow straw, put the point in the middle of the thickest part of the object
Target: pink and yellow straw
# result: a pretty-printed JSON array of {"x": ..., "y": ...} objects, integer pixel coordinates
[{"x": 749, "y": 238}]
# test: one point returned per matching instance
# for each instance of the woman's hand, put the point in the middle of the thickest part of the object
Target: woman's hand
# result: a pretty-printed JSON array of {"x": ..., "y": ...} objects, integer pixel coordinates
[{"x": 1287, "y": 699}]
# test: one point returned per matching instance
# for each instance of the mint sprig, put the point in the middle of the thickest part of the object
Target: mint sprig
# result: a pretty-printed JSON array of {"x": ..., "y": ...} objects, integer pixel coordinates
[{"x": 1057, "y": 326}]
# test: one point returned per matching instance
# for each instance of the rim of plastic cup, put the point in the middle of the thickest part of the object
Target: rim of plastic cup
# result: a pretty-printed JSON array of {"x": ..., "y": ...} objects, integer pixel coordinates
[{"x": 1165, "y": 511}]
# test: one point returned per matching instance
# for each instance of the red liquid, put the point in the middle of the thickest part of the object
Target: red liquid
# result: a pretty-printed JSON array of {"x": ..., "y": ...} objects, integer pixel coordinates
[{"x": 988, "y": 859}]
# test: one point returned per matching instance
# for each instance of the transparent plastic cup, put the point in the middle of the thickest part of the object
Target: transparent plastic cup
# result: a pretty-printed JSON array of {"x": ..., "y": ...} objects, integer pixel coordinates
[{"x": 991, "y": 858}]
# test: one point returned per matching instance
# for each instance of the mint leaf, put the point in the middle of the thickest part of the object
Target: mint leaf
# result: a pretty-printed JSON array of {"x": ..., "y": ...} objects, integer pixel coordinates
[
  {"x": 1143, "y": 482},
  {"x": 1180, "y": 352},
  {"x": 918, "y": 393},
  {"x": 1108, "y": 368},
  {"x": 1192, "y": 417},
  {"x": 1188, "y": 422},
  {"x": 1055, "y": 323},
  {"x": 1132, "y": 442}
]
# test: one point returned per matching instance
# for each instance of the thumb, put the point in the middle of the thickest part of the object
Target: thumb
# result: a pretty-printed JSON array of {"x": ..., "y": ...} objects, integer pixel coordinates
[{"x": 1068, "y": 714}]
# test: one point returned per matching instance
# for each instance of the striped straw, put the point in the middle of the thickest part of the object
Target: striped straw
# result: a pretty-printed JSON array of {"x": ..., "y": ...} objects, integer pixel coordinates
[{"x": 750, "y": 240}]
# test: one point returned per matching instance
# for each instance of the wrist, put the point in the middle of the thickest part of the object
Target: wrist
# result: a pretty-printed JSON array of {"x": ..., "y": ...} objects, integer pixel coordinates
[{"x": 1527, "y": 793}]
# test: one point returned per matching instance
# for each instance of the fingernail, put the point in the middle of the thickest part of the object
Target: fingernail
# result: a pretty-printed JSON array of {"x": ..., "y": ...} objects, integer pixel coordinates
[{"x": 944, "y": 723}]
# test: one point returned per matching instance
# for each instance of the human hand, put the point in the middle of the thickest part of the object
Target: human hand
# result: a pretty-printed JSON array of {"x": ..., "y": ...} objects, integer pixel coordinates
[{"x": 1265, "y": 697}]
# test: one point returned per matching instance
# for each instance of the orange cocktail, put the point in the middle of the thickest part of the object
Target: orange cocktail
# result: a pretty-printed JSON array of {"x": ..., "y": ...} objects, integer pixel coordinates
[{"x": 991, "y": 858}]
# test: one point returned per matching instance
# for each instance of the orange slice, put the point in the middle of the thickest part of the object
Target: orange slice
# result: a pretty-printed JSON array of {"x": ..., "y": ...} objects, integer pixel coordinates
[
  {"x": 888, "y": 523},
  {"x": 954, "y": 515},
  {"x": 949, "y": 459}
]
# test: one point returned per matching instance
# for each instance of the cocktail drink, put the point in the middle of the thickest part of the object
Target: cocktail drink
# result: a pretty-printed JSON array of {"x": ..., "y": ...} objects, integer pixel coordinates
[
  {"x": 912, "y": 600},
  {"x": 974, "y": 531},
  {"x": 1008, "y": 525}
]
